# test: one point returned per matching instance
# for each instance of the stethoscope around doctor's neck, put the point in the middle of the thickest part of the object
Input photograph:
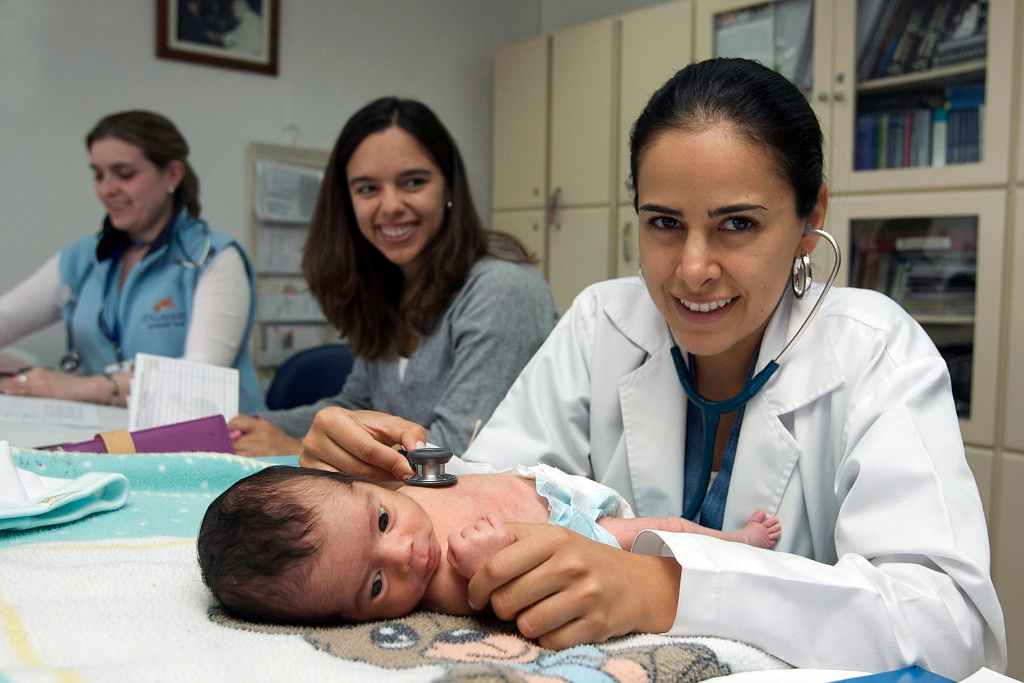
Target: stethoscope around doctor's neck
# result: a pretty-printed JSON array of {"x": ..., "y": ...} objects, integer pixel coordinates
[
  {"x": 71, "y": 360},
  {"x": 712, "y": 411}
]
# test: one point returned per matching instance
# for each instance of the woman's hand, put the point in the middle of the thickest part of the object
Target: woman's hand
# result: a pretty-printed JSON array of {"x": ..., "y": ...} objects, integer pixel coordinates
[
  {"x": 46, "y": 383},
  {"x": 261, "y": 438},
  {"x": 361, "y": 443},
  {"x": 564, "y": 589}
]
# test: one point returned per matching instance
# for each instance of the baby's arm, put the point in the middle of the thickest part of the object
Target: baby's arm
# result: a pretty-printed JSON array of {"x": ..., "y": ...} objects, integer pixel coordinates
[
  {"x": 469, "y": 549},
  {"x": 760, "y": 531}
]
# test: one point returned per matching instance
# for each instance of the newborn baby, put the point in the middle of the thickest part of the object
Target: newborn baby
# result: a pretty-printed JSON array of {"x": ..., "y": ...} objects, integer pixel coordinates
[{"x": 297, "y": 545}]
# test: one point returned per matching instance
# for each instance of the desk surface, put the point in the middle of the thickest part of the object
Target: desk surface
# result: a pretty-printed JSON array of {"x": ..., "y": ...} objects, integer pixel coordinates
[{"x": 37, "y": 434}]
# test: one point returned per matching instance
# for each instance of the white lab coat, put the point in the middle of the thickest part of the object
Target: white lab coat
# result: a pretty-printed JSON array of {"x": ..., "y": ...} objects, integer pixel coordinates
[{"x": 854, "y": 444}]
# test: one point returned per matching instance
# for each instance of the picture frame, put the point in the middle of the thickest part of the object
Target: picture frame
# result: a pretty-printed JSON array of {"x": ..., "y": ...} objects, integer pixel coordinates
[{"x": 233, "y": 34}]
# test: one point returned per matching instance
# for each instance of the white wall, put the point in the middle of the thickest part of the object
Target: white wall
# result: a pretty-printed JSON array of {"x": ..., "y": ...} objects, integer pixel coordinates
[
  {"x": 66, "y": 63},
  {"x": 556, "y": 15}
]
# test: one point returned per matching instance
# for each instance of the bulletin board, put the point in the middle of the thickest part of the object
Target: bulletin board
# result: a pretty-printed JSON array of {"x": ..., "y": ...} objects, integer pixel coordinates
[{"x": 281, "y": 190}]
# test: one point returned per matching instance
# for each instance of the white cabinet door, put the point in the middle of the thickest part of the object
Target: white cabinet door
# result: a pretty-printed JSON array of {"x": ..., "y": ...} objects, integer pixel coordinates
[
  {"x": 656, "y": 43},
  {"x": 583, "y": 102},
  {"x": 519, "y": 169},
  {"x": 579, "y": 252},
  {"x": 526, "y": 225}
]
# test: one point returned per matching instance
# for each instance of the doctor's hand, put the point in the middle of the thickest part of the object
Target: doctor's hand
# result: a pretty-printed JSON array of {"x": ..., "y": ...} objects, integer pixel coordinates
[
  {"x": 256, "y": 437},
  {"x": 564, "y": 589},
  {"x": 361, "y": 443}
]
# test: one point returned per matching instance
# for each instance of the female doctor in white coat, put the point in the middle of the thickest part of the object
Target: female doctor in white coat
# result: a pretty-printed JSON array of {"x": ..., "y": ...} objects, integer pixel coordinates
[{"x": 853, "y": 442}]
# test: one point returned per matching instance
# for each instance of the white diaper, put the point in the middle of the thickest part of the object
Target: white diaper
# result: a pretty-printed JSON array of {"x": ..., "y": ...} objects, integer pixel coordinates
[{"x": 576, "y": 503}]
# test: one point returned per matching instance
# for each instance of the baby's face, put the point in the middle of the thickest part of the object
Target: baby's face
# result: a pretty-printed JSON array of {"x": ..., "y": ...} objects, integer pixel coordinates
[{"x": 378, "y": 556}]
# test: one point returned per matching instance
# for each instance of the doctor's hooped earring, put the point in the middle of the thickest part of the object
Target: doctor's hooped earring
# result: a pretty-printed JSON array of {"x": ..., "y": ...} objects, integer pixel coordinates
[{"x": 802, "y": 278}]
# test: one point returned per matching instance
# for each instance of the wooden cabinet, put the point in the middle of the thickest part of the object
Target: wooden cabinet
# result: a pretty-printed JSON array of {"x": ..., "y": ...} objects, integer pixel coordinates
[
  {"x": 579, "y": 251},
  {"x": 572, "y": 97},
  {"x": 1008, "y": 555},
  {"x": 1013, "y": 413},
  {"x": 529, "y": 226},
  {"x": 656, "y": 43},
  {"x": 583, "y": 103},
  {"x": 520, "y": 100},
  {"x": 940, "y": 256}
]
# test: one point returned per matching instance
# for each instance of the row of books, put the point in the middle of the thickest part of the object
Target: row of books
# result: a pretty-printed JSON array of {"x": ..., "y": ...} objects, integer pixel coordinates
[
  {"x": 926, "y": 131},
  {"x": 927, "y": 274},
  {"x": 918, "y": 137},
  {"x": 897, "y": 37}
]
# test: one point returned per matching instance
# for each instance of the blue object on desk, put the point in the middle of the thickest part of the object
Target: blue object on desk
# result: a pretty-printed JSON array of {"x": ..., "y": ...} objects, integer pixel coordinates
[{"x": 914, "y": 674}]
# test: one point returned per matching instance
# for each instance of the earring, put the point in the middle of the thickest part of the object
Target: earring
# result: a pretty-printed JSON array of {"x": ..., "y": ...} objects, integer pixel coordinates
[
  {"x": 171, "y": 189},
  {"x": 802, "y": 277},
  {"x": 449, "y": 204},
  {"x": 807, "y": 228}
]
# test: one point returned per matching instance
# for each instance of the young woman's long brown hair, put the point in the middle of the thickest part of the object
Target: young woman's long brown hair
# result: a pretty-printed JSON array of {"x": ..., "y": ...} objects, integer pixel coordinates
[{"x": 360, "y": 291}]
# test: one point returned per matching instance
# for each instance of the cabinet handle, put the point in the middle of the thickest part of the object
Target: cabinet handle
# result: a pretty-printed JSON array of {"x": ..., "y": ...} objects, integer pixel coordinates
[
  {"x": 556, "y": 198},
  {"x": 536, "y": 227},
  {"x": 823, "y": 96},
  {"x": 838, "y": 96},
  {"x": 627, "y": 246}
]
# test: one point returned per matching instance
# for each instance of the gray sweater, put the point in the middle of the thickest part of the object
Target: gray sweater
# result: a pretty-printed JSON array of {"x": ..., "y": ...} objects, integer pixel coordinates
[{"x": 460, "y": 371}]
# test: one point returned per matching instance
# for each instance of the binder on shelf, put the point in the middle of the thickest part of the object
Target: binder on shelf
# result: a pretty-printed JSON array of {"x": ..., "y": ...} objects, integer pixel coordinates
[
  {"x": 936, "y": 29},
  {"x": 918, "y": 15}
]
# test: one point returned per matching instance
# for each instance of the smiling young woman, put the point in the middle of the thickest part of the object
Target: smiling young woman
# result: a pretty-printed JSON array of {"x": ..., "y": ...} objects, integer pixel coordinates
[{"x": 441, "y": 314}]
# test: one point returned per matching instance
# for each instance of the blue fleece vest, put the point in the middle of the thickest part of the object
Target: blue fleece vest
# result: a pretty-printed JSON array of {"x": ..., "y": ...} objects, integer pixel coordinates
[{"x": 152, "y": 312}]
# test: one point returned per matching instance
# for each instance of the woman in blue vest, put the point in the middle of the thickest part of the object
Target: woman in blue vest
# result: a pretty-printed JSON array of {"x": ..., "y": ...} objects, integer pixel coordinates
[{"x": 154, "y": 280}]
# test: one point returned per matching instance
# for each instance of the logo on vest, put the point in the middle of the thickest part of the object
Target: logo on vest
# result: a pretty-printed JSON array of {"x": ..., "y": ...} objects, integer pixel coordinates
[{"x": 165, "y": 314}]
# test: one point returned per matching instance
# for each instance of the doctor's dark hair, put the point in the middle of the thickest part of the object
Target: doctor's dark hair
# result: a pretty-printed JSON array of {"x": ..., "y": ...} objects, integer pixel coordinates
[
  {"x": 760, "y": 104},
  {"x": 362, "y": 293},
  {"x": 159, "y": 141},
  {"x": 257, "y": 544}
]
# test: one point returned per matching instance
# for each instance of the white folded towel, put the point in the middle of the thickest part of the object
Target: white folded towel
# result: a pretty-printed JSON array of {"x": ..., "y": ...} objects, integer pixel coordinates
[{"x": 29, "y": 500}]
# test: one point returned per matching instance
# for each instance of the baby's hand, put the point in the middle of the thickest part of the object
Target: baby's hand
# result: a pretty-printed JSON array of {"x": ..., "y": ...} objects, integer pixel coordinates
[{"x": 470, "y": 548}]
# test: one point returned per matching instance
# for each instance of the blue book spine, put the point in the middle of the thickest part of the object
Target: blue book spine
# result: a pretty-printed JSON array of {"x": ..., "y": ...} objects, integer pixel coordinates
[{"x": 866, "y": 143}]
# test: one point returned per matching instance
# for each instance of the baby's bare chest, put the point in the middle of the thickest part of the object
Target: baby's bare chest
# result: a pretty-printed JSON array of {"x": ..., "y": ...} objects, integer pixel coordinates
[{"x": 508, "y": 497}]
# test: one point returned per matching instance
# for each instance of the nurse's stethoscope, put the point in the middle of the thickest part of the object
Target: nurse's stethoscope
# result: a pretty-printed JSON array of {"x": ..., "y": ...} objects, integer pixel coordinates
[
  {"x": 68, "y": 300},
  {"x": 712, "y": 411}
]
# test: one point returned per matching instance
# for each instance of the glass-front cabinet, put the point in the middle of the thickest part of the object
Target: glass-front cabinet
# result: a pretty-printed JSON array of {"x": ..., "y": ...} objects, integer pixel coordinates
[
  {"x": 792, "y": 36},
  {"x": 917, "y": 96},
  {"x": 940, "y": 257}
]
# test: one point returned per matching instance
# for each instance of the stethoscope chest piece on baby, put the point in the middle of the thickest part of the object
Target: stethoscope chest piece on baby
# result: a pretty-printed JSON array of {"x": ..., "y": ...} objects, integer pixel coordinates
[{"x": 429, "y": 466}]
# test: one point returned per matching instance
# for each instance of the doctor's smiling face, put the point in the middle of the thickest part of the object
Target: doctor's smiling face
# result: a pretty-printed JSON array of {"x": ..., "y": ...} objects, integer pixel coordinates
[
  {"x": 727, "y": 168},
  {"x": 719, "y": 232}
]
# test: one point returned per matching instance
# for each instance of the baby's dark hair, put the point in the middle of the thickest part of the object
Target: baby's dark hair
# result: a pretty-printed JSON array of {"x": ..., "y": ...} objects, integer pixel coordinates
[{"x": 254, "y": 539}]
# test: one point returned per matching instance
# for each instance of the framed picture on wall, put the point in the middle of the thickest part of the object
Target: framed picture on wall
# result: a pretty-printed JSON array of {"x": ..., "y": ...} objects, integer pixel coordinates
[{"x": 235, "y": 34}]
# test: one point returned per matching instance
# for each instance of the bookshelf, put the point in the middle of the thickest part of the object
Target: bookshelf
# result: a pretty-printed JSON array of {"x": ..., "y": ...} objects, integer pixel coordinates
[
  {"x": 281, "y": 188},
  {"x": 932, "y": 100}
]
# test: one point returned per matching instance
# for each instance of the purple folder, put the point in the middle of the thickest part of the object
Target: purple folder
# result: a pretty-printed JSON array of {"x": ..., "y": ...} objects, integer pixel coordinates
[{"x": 207, "y": 434}]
